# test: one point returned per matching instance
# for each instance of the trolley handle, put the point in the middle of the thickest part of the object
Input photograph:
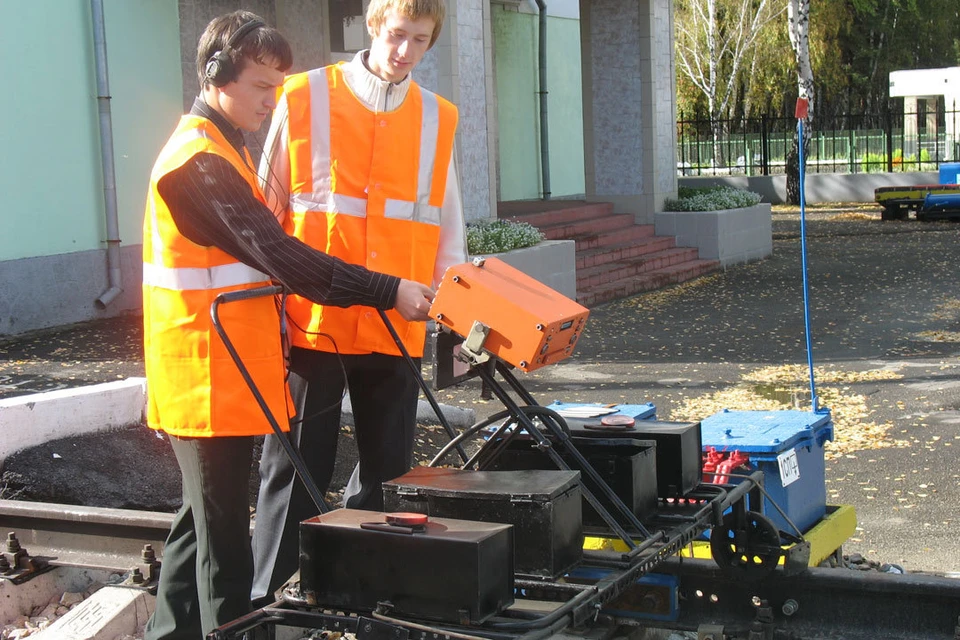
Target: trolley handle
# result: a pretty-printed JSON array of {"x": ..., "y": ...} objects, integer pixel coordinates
[
  {"x": 295, "y": 458},
  {"x": 246, "y": 294}
]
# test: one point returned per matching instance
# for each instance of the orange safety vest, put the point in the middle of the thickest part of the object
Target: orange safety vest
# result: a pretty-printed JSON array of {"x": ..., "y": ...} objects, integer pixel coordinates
[
  {"x": 194, "y": 389},
  {"x": 368, "y": 188}
]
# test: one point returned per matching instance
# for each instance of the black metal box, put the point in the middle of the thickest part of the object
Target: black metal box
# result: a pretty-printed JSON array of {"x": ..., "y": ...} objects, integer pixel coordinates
[
  {"x": 542, "y": 506},
  {"x": 679, "y": 455},
  {"x": 627, "y": 466},
  {"x": 453, "y": 571}
]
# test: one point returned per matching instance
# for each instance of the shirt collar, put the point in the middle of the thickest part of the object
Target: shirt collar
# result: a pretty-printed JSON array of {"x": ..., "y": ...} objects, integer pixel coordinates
[{"x": 233, "y": 135}]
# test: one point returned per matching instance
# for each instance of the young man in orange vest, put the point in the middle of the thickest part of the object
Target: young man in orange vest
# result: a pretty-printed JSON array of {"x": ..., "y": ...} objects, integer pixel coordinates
[
  {"x": 207, "y": 231},
  {"x": 361, "y": 159}
]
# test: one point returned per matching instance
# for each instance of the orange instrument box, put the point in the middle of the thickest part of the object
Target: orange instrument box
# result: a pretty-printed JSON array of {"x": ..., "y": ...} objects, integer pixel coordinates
[{"x": 526, "y": 323}]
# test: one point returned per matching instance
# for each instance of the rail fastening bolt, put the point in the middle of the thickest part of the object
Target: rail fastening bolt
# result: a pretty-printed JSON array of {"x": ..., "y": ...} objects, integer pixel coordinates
[
  {"x": 148, "y": 555},
  {"x": 13, "y": 545},
  {"x": 790, "y": 607}
]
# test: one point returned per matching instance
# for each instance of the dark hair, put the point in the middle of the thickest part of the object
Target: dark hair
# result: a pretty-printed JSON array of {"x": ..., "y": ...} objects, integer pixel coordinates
[{"x": 263, "y": 44}]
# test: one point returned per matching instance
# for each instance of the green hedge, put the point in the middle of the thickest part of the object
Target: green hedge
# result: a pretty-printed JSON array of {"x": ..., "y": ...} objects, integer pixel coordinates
[
  {"x": 711, "y": 199},
  {"x": 497, "y": 236}
]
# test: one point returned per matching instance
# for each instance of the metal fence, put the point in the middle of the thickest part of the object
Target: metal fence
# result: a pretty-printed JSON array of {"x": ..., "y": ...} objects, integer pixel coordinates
[{"x": 889, "y": 141}]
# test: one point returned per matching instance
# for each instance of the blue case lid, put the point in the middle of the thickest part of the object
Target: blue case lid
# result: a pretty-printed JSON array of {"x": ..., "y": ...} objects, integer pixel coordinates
[
  {"x": 635, "y": 411},
  {"x": 765, "y": 431},
  {"x": 950, "y": 173}
]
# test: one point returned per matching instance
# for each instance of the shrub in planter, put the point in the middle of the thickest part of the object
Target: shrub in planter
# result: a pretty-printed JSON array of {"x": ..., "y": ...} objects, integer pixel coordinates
[
  {"x": 711, "y": 199},
  {"x": 497, "y": 236}
]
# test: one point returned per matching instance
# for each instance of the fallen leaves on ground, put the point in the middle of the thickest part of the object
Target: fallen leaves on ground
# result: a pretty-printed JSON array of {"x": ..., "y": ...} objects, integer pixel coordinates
[
  {"x": 938, "y": 336},
  {"x": 853, "y": 215},
  {"x": 778, "y": 388}
]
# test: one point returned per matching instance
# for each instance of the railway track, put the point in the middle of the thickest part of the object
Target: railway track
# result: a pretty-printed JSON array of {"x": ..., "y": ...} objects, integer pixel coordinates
[
  {"x": 818, "y": 603},
  {"x": 92, "y": 537},
  {"x": 841, "y": 604}
]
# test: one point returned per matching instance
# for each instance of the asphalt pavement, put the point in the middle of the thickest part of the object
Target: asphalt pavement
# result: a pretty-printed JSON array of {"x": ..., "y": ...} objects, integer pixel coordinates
[{"x": 885, "y": 320}]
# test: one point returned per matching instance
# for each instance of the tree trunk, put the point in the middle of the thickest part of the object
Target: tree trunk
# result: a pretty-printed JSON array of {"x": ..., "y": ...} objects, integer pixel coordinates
[
  {"x": 798, "y": 16},
  {"x": 793, "y": 173}
]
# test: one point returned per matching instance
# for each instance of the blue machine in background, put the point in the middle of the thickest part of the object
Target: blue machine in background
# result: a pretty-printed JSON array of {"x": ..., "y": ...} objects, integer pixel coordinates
[{"x": 929, "y": 201}]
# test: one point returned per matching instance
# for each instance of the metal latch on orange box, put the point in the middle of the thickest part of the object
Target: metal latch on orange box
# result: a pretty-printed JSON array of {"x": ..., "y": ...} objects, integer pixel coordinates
[{"x": 503, "y": 312}]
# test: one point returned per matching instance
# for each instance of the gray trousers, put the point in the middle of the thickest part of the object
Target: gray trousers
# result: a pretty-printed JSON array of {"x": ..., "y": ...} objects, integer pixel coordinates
[{"x": 206, "y": 567}]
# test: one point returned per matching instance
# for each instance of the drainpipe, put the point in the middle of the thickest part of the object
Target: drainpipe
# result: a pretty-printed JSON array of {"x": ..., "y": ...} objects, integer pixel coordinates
[
  {"x": 544, "y": 135},
  {"x": 106, "y": 160}
]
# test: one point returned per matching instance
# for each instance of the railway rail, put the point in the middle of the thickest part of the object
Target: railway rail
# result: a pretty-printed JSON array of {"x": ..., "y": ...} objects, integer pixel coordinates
[
  {"x": 59, "y": 535},
  {"x": 815, "y": 603}
]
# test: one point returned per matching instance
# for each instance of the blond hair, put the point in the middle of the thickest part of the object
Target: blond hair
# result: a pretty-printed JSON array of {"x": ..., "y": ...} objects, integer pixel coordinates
[{"x": 411, "y": 9}]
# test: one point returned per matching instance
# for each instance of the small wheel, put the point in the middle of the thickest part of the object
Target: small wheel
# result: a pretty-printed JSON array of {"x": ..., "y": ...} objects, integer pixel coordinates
[{"x": 751, "y": 553}]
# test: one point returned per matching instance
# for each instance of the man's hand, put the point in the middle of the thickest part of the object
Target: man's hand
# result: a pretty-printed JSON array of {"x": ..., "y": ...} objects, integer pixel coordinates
[{"x": 413, "y": 301}]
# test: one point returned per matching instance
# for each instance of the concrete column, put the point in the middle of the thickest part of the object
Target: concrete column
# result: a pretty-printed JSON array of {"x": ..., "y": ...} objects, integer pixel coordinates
[
  {"x": 490, "y": 89},
  {"x": 305, "y": 25},
  {"x": 910, "y": 116},
  {"x": 659, "y": 132},
  {"x": 930, "y": 127},
  {"x": 462, "y": 65},
  {"x": 629, "y": 116},
  {"x": 951, "y": 103}
]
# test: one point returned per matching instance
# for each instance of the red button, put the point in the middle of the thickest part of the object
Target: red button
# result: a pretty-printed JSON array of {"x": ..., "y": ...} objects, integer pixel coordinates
[
  {"x": 406, "y": 519},
  {"x": 617, "y": 420}
]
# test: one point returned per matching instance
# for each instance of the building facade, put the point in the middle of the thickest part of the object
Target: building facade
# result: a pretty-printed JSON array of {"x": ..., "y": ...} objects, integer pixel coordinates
[{"x": 609, "y": 102}]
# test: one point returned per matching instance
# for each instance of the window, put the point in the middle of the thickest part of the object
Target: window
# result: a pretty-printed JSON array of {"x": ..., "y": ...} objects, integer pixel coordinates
[{"x": 348, "y": 32}]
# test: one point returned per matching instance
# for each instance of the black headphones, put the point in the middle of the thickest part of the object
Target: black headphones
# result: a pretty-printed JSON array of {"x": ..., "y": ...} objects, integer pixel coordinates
[{"x": 220, "y": 70}]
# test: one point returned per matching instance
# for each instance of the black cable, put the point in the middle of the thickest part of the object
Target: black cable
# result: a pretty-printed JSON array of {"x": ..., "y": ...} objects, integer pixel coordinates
[
  {"x": 343, "y": 370},
  {"x": 474, "y": 428},
  {"x": 535, "y": 410}
]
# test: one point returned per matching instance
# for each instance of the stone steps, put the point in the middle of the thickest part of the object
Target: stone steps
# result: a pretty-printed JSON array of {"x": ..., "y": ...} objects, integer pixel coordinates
[
  {"x": 615, "y": 257},
  {"x": 657, "y": 279}
]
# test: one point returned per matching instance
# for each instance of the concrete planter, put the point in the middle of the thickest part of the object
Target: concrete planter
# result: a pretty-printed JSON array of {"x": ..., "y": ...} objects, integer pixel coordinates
[
  {"x": 732, "y": 236},
  {"x": 552, "y": 262}
]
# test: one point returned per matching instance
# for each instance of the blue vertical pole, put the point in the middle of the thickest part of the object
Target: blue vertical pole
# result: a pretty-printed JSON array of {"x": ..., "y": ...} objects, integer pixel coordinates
[{"x": 803, "y": 258}]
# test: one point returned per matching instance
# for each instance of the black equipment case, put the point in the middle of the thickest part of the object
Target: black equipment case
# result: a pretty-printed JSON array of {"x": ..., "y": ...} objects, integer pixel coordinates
[
  {"x": 628, "y": 466},
  {"x": 542, "y": 506},
  {"x": 448, "y": 570},
  {"x": 679, "y": 455}
]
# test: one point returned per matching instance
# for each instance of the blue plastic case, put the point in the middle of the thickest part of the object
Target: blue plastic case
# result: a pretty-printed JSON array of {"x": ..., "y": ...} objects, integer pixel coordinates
[{"x": 765, "y": 436}]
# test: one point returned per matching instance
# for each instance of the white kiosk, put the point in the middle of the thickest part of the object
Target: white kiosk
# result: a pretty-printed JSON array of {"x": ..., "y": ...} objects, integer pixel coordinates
[{"x": 927, "y": 85}]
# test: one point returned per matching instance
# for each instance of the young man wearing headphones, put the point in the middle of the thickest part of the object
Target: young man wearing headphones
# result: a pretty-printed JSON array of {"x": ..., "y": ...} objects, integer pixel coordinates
[
  {"x": 207, "y": 231},
  {"x": 362, "y": 164}
]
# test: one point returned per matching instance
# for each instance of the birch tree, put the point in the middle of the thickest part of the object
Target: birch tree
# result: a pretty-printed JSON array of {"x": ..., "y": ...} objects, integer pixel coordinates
[
  {"x": 798, "y": 19},
  {"x": 713, "y": 38}
]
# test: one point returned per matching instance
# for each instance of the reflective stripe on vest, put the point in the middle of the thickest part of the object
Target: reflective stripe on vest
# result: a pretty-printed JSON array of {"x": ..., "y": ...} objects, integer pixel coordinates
[
  {"x": 324, "y": 200},
  {"x": 196, "y": 279}
]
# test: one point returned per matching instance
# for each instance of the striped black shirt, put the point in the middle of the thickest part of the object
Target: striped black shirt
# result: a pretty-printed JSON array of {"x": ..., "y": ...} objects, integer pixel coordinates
[{"x": 213, "y": 206}]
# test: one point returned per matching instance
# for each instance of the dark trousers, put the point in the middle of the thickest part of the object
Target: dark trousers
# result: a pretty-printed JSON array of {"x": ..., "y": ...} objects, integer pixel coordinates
[
  {"x": 206, "y": 567},
  {"x": 383, "y": 392}
]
